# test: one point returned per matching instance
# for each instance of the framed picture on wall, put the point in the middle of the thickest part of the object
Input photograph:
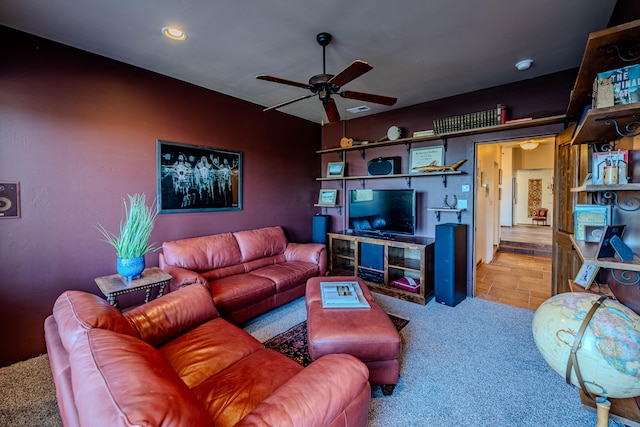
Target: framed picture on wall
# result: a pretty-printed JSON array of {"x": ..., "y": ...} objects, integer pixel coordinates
[{"x": 194, "y": 178}]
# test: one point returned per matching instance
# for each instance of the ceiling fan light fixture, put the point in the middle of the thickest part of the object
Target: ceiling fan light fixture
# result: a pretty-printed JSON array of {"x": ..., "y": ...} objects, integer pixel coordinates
[
  {"x": 528, "y": 145},
  {"x": 174, "y": 33}
]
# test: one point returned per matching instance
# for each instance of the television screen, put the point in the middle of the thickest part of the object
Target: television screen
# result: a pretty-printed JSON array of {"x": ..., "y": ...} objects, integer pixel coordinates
[{"x": 382, "y": 211}]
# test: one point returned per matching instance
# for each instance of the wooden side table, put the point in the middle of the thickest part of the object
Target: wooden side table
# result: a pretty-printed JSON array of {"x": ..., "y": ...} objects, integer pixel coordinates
[{"x": 114, "y": 285}]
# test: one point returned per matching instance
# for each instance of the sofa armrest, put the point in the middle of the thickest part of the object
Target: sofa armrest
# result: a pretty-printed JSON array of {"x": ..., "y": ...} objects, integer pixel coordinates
[
  {"x": 332, "y": 387},
  {"x": 171, "y": 315},
  {"x": 308, "y": 252},
  {"x": 181, "y": 277}
]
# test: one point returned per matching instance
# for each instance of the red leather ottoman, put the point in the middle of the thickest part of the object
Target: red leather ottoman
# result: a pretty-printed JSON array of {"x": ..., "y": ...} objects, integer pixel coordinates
[{"x": 366, "y": 333}]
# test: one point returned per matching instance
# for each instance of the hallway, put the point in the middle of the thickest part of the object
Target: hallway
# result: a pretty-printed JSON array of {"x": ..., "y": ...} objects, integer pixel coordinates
[{"x": 517, "y": 279}]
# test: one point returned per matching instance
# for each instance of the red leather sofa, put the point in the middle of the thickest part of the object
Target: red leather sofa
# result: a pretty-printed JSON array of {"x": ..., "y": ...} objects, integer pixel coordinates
[
  {"x": 175, "y": 362},
  {"x": 249, "y": 272}
]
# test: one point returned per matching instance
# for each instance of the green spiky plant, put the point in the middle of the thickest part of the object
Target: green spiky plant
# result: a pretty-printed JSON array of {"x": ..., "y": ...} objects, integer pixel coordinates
[{"x": 135, "y": 230}]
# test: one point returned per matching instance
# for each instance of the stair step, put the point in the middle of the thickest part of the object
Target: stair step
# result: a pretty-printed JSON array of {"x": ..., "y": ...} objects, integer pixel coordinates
[
  {"x": 526, "y": 245},
  {"x": 544, "y": 251}
]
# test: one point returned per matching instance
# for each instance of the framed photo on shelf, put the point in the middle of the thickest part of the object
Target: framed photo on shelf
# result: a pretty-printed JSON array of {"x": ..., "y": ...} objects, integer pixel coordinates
[
  {"x": 586, "y": 275},
  {"x": 426, "y": 156},
  {"x": 335, "y": 169},
  {"x": 605, "y": 250},
  {"x": 327, "y": 197}
]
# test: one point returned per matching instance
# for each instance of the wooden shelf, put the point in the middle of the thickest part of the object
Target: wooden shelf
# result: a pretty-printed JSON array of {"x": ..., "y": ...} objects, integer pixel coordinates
[
  {"x": 597, "y": 59},
  {"x": 595, "y": 288},
  {"x": 507, "y": 126},
  {"x": 597, "y": 125},
  {"x": 587, "y": 253},
  {"x": 398, "y": 175},
  {"x": 604, "y": 188}
]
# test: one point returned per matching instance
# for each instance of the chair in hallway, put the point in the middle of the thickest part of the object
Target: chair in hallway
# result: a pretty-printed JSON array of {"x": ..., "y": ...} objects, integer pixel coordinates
[{"x": 541, "y": 217}]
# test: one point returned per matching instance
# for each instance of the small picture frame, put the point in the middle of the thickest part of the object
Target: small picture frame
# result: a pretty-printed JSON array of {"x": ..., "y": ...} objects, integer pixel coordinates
[
  {"x": 426, "y": 156},
  {"x": 586, "y": 275},
  {"x": 335, "y": 169},
  {"x": 605, "y": 250},
  {"x": 327, "y": 197}
]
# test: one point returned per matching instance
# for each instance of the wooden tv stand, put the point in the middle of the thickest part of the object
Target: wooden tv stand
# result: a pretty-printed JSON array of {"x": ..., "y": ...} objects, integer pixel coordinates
[{"x": 402, "y": 256}]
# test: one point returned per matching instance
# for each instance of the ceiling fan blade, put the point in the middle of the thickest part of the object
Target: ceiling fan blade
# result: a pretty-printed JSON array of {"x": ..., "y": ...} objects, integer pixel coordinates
[
  {"x": 274, "y": 107},
  {"x": 332, "y": 111},
  {"x": 353, "y": 71},
  {"x": 283, "y": 81},
  {"x": 378, "y": 99}
]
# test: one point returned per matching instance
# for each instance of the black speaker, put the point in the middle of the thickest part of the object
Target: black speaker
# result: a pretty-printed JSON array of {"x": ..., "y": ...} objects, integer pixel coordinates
[
  {"x": 384, "y": 166},
  {"x": 372, "y": 256},
  {"x": 320, "y": 229},
  {"x": 450, "y": 259}
]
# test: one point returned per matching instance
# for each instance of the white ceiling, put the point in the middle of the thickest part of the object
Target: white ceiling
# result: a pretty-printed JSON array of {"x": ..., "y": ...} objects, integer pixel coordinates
[{"x": 421, "y": 50}]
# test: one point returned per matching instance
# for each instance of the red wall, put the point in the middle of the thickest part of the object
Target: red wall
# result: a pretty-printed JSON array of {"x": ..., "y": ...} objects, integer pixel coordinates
[{"x": 79, "y": 132}]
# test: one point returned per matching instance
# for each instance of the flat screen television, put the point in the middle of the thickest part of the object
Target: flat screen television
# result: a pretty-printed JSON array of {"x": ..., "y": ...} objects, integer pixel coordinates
[{"x": 382, "y": 211}]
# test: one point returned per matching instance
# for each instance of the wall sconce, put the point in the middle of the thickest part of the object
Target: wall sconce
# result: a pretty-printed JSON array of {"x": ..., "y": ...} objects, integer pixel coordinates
[{"x": 528, "y": 145}]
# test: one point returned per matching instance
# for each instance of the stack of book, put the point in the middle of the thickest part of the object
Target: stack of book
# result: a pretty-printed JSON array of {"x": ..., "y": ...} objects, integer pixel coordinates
[{"x": 479, "y": 119}]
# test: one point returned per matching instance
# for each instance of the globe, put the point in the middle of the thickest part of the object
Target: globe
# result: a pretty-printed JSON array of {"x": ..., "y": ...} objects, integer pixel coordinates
[{"x": 609, "y": 355}]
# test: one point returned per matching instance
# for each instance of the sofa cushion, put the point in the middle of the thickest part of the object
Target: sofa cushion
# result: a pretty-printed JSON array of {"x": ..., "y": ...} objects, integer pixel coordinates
[
  {"x": 235, "y": 392},
  {"x": 119, "y": 380},
  {"x": 289, "y": 274},
  {"x": 207, "y": 350},
  {"x": 239, "y": 291},
  {"x": 163, "y": 319},
  {"x": 76, "y": 312},
  {"x": 203, "y": 253},
  {"x": 261, "y": 243}
]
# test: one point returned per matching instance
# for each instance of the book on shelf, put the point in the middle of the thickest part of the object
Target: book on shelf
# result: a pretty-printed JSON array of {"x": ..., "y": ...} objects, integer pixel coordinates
[
  {"x": 592, "y": 215},
  {"x": 342, "y": 295}
]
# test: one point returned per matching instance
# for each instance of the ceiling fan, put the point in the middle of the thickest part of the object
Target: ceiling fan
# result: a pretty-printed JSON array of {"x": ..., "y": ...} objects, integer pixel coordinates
[{"x": 324, "y": 85}]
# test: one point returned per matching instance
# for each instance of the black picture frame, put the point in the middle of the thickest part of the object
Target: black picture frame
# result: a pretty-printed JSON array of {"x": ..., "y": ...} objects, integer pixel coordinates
[
  {"x": 605, "y": 250},
  {"x": 193, "y": 178}
]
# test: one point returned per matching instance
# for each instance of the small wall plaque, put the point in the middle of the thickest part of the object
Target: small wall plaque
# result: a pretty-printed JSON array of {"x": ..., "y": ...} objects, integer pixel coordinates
[{"x": 9, "y": 200}]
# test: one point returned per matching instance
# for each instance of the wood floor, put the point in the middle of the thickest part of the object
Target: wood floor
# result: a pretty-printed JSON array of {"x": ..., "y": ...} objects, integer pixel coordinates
[{"x": 515, "y": 279}]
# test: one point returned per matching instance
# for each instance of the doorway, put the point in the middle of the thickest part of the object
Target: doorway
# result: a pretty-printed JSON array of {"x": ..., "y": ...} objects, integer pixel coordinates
[{"x": 513, "y": 184}]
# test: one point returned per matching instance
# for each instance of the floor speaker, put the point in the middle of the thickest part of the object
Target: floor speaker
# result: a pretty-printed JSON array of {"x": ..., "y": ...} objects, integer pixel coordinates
[
  {"x": 450, "y": 259},
  {"x": 320, "y": 229}
]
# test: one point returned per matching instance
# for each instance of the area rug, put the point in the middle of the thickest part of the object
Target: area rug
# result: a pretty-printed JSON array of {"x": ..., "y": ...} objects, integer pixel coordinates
[{"x": 293, "y": 343}]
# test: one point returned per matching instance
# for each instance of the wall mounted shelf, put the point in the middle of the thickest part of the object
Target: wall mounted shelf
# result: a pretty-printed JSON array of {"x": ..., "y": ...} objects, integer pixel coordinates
[
  {"x": 406, "y": 176},
  {"x": 440, "y": 210},
  {"x": 507, "y": 126}
]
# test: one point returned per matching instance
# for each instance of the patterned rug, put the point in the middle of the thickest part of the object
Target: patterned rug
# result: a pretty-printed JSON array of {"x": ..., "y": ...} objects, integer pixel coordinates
[{"x": 293, "y": 343}]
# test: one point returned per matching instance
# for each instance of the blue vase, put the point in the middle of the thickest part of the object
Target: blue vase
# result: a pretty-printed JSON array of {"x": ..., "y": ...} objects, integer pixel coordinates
[{"x": 130, "y": 268}]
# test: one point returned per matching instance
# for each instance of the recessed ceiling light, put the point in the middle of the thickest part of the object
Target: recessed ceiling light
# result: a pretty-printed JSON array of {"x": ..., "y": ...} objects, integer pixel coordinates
[{"x": 174, "y": 33}]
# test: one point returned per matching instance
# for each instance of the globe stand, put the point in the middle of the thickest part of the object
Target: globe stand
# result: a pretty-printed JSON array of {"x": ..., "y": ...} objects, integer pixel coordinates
[{"x": 603, "y": 405}]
